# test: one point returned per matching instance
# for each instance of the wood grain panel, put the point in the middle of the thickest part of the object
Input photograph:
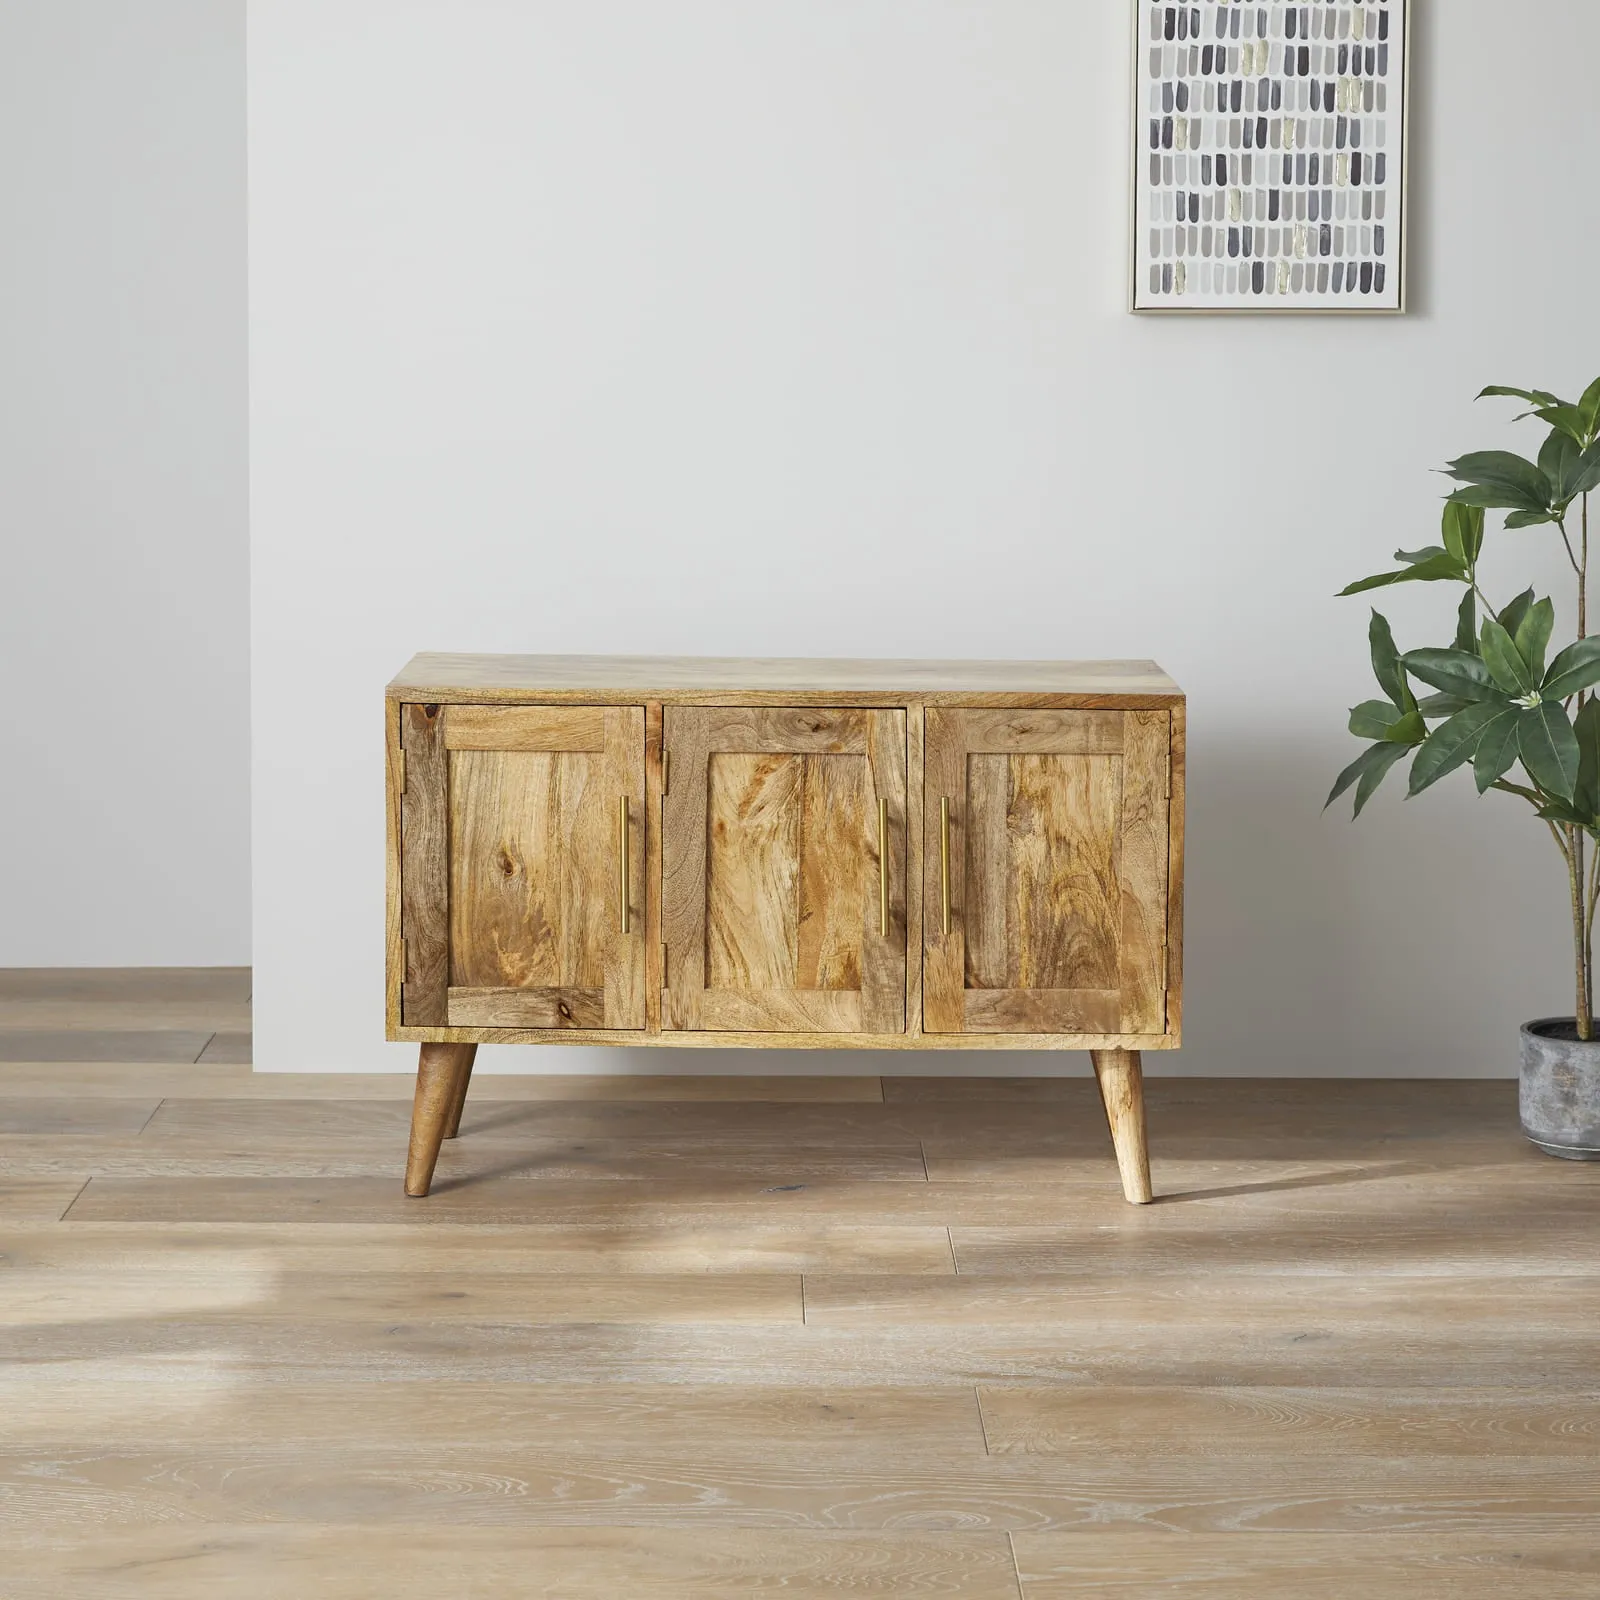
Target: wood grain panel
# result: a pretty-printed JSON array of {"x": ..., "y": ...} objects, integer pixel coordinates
[
  {"x": 832, "y": 869},
  {"x": 527, "y": 1008},
  {"x": 884, "y": 955},
  {"x": 1175, "y": 834},
  {"x": 535, "y": 872},
  {"x": 986, "y": 872},
  {"x": 944, "y": 955},
  {"x": 770, "y": 867},
  {"x": 827, "y": 1011},
  {"x": 546, "y": 728},
  {"x": 1142, "y": 873},
  {"x": 1036, "y": 1011},
  {"x": 508, "y": 901},
  {"x": 685, "y": 862},
  {"x": 1228, "y": 1426},
  {"x": 253, "y": 1561},
  {"x": 624, "y": 965},
  {"x": 1062, "y": 894},
  {"x": 1443, "y": 1563},
  {"x": 1054, "y": 733},
  {"x": 753, "y": 810},
  {"x": 613, "y": 677},
  {"x": 425, "y": 865}
]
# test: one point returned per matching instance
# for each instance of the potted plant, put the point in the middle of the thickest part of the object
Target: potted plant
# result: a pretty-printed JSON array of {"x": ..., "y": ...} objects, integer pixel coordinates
[{"x": 1497, "y": 701}]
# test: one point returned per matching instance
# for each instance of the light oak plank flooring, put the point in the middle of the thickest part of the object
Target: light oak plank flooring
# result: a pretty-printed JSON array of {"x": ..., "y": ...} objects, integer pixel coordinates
[{"x": 663, "y": 1337}]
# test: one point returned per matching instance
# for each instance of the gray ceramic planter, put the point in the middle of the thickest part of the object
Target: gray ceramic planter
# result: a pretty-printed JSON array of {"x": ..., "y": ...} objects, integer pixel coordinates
[{"x": 1560, "y": 1093}]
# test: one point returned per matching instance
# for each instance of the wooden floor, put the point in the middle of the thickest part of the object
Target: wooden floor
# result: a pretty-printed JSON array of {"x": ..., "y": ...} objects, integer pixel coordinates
[{"x": 798, "y": 1337}]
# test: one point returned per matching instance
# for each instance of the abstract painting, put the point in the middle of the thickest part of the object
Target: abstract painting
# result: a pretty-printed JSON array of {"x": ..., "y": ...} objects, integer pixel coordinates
[{"x": 1270, "y": 155}]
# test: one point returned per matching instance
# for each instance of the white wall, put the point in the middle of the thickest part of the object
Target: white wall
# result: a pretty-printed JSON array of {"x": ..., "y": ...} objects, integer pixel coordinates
[
  {"x": 124, "y": 653},
  {"x": 798, "y": 328}
]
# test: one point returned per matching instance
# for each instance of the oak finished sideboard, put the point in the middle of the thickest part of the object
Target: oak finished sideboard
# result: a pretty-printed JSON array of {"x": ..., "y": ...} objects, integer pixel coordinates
[{"x": 672, "y": 851}]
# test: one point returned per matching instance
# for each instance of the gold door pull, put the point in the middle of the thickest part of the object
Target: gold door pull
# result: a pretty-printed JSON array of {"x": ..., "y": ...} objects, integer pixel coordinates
[
  {"x": 623, "y": 852},
  {"x": 883, "y": 868},
  {"x": 944, "y": 860}
]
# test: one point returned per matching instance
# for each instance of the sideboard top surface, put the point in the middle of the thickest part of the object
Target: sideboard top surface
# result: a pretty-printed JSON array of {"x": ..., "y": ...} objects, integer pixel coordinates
[{"x": 452, "y": 677}]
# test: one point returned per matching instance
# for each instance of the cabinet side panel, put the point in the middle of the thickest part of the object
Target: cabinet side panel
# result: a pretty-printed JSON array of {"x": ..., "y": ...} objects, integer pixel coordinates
[
  {"x": 394, "y": 784},
  {"x": 1143, "y": 876},
  {"x": 1176, "y": 780},
  {"x": 425, "y": 846}
]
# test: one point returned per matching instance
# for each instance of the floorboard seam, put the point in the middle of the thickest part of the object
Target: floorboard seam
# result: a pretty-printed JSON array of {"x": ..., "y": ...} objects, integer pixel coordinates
[
  {"x": 76, "y": 1198},
  {"x": 1016, "y": 1565}
]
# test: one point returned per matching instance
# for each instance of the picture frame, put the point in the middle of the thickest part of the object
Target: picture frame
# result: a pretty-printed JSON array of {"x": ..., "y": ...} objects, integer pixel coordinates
[{"x": 1225, "y": 218}]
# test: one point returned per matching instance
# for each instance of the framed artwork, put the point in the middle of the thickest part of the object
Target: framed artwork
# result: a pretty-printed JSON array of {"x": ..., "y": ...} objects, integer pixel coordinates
[{"x": 1270, "y": 153}]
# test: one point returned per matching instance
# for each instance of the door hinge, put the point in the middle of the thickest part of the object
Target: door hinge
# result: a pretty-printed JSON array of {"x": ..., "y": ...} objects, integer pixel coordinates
[
  {"x": 663, "y": 966},
  {"x": 400, "y": 770},
  {"x": 666, "y": 772}
]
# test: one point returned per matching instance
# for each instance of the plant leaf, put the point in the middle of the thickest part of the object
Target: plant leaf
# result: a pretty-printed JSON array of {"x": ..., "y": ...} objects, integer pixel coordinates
[
  {"x": 1528, "y": 519},
  {"x": 1575, "y": 669},
  {"x": 1409, "y": 730},
  {"x": 1453, "y": 744},
  {"x": 1439, "y": 706},
  {"x": 1586, "y": 791},
  {"x": 1588, "y": 473},
  {"x": 1501, "y": 469},
  {"x": 1549, "y": 748},
  {"x": 1567, "y": 421},
  {"x": 1589, "y": 405},
  {"x": 1457, "y": 672},
  {"x": 1497, "y": 750},
  {"x": 1532, "y": 635},
  {"x": 1513, "y": 611},
  {"x": 1467, "y": 624},
  {"x": 1463, "y": 531},
  {"x": 1372, "y": 719},
  {"x": 1538, "y": 397},
  {"x": 1369, "y": 770},
  {"x": 1506, "y": 666},
  {"x": 1482, "y": 495},
  {"x": 1426, "y": 553},
  {"x": 1387, "y": 666},
  {"x": 1435, "y": 569}
]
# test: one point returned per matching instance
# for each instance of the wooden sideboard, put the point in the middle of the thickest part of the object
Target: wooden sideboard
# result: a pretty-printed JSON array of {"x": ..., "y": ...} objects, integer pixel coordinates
[{"x": 664, "y": 851}]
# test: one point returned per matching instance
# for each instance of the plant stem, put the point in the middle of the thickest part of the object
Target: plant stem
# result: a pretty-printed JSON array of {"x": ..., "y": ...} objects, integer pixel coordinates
[
  {"x": 1589, "y": 922},
  {"x": 1575, "y": 880},
  {"x": 1561, "y": 523}
]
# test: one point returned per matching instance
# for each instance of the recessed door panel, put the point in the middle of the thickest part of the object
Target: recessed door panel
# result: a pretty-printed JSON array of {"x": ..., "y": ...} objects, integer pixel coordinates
[
  {"x": 523, "y": 851},
  {"x": 1045, "y": 861},
  {"x": 784, "y": 870}
]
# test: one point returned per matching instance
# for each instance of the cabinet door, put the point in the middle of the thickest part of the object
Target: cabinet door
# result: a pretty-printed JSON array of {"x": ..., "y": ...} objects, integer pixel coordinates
[
  {"x": 522, "y": 883},
  {"x": 778, "y": 912},
  {"x": 1045, "y": 834}
]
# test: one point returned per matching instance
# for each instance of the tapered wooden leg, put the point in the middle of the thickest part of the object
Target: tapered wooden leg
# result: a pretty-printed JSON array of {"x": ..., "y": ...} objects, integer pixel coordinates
[
  {"x": 1121, "y": 1078},
  {"x": 440, "y": 1069},
  {"x": 453, "y": 1126}
]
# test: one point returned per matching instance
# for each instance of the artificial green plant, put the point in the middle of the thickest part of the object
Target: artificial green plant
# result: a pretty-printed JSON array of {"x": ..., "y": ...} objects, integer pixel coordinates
[{"x": 1526, "y": 724}]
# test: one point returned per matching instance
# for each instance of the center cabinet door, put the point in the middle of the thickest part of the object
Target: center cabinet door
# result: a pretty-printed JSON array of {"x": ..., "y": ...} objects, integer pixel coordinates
[
  {"x": 783, "y": 870},
  {"x": 523, "y": 866},
  {"x": 1045, "y": 871}
]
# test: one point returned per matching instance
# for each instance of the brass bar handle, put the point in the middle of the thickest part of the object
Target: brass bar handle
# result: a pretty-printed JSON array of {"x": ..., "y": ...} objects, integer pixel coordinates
[
  {"x": 944, "y": 858},
  {"x": 623, "y": 886},
  {"x": 883, "y": 868}
]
